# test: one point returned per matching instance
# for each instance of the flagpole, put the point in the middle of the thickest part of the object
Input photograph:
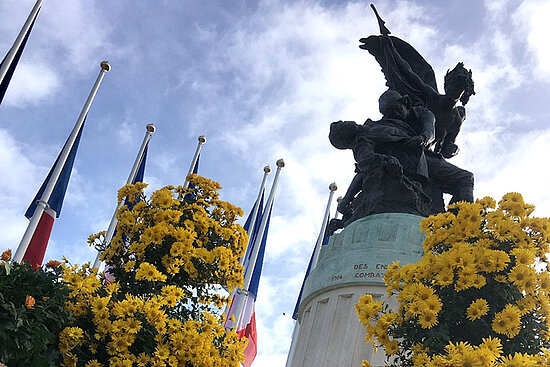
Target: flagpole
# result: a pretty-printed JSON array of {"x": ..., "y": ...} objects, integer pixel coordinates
[
  {"x": 332, "y": 187},
  {"x": 256, "y": 246},
  {"x": 43, "y": 202},
  {"x": 202, "y": 140},
  {"x": 150, "y": 129},
  {"x": 19, "y": 40},
  {"x": 267, "y": 170}
]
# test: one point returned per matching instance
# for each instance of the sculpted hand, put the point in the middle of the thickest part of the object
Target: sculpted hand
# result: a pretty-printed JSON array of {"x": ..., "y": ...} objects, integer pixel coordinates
[{"x": 449, "y": 150}]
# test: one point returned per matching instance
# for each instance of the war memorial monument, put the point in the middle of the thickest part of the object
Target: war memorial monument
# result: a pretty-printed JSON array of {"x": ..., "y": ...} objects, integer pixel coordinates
[{"x": 402, "y": 173}]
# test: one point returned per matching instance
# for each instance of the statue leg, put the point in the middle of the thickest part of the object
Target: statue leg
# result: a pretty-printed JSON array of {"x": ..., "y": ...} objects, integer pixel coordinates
[
  {"x": 355, "y": 186},
  {"x": 452, "y": 180}
]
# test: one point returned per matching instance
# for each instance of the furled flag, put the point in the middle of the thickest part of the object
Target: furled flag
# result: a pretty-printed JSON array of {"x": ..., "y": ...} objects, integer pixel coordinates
[
  {"x": 252, "y": 235},
  {"x": 324, "y": 242},
  {"x": 11, "y": 67},
  {"x": 246, "y": 323},
  {"x": 139, "y": 176},
  {"x": 191, "y": 186},
  {"x": 39, "y": 240}
]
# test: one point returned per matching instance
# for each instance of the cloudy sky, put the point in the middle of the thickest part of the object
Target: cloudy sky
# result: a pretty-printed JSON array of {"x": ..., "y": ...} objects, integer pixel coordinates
[{"x": 262, "y": 80}]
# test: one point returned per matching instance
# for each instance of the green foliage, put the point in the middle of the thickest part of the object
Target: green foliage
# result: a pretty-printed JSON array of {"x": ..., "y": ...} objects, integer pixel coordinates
[{"x": 29, "y": 333}]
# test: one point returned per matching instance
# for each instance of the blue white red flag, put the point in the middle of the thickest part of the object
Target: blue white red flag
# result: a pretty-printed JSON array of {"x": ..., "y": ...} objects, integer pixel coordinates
[
  {"x": 252, "y": 236},
  {"x": 39, "y": 240},
  {"x": 13, "y": 64},
  {"x": 138, "y": 178},
  {"x": 246, "y": 323}
]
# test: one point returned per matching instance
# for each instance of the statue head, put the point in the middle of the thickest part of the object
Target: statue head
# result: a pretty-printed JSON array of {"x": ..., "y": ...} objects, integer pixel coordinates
[
  {"x": 392, "y": 105},
  {"x": 459, "y": 83}
]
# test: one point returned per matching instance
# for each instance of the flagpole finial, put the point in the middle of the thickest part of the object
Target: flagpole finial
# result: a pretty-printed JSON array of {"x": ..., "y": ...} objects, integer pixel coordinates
[
  {"x": 151, "y": 128},
  {"x": 280, "y": 163},
  {"x": 339, "y": 200},
  {"x": 267, "y": 169},
  {"x": 333, "y": 186},
  {"x": 202, "y": 139},
  {"x": 105, "y": 66}
]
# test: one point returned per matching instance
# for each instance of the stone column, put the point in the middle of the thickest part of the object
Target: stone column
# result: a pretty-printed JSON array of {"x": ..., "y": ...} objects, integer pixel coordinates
[{"x": 350, "y": 265}]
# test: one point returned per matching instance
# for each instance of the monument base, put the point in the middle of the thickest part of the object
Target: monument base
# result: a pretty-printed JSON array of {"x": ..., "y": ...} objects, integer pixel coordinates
[{"x": 352, "y": 264}]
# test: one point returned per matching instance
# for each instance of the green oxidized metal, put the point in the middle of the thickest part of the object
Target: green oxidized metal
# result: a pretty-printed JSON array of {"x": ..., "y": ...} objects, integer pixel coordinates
[{"x": 361, "y": 253}]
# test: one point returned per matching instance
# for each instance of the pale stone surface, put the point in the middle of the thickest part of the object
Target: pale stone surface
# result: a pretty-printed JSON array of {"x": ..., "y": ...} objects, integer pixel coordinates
[{"x": 350, "y": 265}]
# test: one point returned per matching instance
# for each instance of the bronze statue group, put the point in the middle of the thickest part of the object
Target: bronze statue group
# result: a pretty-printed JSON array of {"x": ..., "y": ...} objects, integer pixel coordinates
[{"x": 400, "y": 159}]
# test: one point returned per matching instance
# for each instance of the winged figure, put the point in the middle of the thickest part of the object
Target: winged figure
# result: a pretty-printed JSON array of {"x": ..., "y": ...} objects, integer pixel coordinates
[{"x": 408, "y": 73}]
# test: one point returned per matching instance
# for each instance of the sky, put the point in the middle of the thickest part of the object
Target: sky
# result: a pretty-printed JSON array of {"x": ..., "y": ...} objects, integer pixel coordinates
[{"x": 262, "y": 80}]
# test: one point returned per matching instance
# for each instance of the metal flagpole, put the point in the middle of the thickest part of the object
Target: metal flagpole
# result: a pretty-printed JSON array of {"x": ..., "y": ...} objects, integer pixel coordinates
[
  {"x": 19, "y": 40},
  {"x": 202, "y": 140},
  {"x": 150, "y": 129},
  {"x": 332, "y": 187},
  {"x": 267, "y": 170},
  {"x": 256, "y": 247},
  {"x": 43, "y": 202}
]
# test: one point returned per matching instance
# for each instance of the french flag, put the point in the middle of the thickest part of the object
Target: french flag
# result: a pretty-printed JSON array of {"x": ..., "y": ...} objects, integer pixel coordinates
[
  {"x": 8, "y": 64},
  {"x": 39, "y": 240},
  {"x": 246, "y": 323}
]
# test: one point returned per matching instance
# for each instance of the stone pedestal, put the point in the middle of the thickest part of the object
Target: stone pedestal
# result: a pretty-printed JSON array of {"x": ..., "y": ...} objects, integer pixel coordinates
[{"x": 350, "y": 265}]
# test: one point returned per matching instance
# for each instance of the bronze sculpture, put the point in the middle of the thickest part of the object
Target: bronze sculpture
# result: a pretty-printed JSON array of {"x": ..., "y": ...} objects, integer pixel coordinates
[{"x": 400, "y": 159}]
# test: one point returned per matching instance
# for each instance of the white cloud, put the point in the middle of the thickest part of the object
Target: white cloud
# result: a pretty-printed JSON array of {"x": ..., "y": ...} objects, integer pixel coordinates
[
  {"x": 15, "y": 187},
  {"x": 519, "y": 169},
  {"x": 79, "y": 29},
  {"x": 31, "y": 83},
  {"x": 532, "y": 18},
  {"x": 68, "y": 39}
]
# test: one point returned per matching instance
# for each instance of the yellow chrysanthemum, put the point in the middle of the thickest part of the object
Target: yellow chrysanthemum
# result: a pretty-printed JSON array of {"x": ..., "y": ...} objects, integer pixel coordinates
[
  {"x": 493, "y": 344},
  {"x": 149, "y": 272},
  {"x": 427, "y": 320},
  {"x": 477, "y": 309},
  {"x": 507, "y": 321}
]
